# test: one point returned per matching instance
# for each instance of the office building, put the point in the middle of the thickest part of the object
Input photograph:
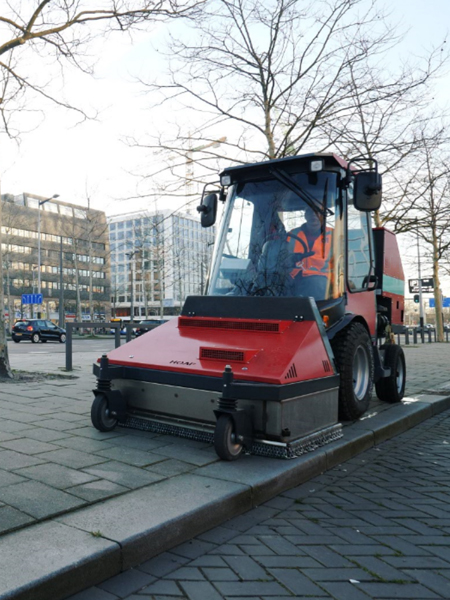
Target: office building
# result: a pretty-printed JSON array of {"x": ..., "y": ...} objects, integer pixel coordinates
[
  {"x": 70, "y": 245},
  {"x": 157, "y": 259}
]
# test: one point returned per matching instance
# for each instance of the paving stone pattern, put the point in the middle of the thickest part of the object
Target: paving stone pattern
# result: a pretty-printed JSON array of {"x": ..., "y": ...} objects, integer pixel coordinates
[
  {"x": 53, "y": 461},
  {"x": 376, "y": 527}
]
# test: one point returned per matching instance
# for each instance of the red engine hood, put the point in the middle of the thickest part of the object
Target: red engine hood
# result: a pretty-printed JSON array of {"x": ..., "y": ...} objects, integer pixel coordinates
[{"x": 266, "y": 351}]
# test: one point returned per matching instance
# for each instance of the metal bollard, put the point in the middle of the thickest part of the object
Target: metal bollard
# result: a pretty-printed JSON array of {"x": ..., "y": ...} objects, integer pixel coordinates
[
  {"x": 69, "y": 347},
  {"x": 429, "y": 337},
  {"x": 415, "y": 336},
  {"x": 406, "y": 337}
]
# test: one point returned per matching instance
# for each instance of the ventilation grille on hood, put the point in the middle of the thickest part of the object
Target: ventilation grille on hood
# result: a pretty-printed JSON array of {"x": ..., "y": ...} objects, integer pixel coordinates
[
  {"x": 235, "y": 325},
  {"x": 292, "y": 373},
  {"x": 227, "y": 355}
]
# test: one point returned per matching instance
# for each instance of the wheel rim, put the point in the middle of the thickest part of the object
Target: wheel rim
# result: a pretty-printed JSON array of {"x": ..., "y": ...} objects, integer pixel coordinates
[
  {"x": 360, "y": 373},
  {"x": 400, "y": 376},
  {"x": 106, "y": 418},
  {"x": 233, "y": 446}
]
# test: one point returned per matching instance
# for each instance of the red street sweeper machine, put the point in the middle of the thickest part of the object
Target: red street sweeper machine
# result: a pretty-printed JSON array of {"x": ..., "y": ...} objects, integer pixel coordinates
[{"x": 296, "y": 326}]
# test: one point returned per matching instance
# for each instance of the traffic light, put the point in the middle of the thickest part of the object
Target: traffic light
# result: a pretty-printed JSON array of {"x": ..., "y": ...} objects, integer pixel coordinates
[{"x": 416, "y": 298}]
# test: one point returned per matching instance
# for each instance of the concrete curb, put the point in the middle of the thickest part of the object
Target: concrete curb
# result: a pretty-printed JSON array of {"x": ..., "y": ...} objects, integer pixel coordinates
[{"x": 72, "y": 552}]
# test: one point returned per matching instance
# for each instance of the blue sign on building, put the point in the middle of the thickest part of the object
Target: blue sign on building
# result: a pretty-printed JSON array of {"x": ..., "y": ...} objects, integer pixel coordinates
[
  {"x": 445, "y": 303},
  {"x": 31, "y": 298}
]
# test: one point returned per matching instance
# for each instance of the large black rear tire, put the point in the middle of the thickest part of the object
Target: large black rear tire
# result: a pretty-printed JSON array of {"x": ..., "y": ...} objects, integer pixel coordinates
[
  {"x": 392, "y": 388},
  {"x": 352, "y": 349}
]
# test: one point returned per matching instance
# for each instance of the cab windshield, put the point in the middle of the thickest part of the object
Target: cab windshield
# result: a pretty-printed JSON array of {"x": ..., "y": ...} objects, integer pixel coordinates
[{"x": 281, "y": 238}]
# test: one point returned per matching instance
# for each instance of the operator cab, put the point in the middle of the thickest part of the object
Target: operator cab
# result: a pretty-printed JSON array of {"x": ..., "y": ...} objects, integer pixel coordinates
[{"x": 266, "y": 246}]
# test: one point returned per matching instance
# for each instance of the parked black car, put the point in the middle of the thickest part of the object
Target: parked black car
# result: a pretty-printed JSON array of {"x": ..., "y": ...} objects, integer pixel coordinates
[{"x": 37, "y": 330}]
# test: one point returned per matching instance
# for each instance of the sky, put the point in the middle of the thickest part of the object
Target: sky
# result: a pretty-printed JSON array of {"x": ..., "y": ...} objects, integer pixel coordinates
[{"x": 92, "y": 160}]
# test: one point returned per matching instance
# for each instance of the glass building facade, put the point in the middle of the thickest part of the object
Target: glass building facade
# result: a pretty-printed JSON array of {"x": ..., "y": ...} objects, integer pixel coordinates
[{"x": 157, "y": 259}]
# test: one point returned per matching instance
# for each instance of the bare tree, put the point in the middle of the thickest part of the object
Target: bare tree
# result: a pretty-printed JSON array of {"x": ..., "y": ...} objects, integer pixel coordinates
[
  {"x": 281, "y": 77},
  {"x": 13, "y": 219},
  {"x": 425, "y": 208},
  {"x": 389, "y": 120},
  {"x": 43, "y": 38},
  {"x": 95, "y": 228},
  {"x": 57, "y": 34}
]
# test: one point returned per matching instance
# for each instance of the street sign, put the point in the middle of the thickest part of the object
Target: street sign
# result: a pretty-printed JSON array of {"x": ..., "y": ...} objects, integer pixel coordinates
[
  {"x": 427, "y": 285},
  {"x": 445, "y": 303},
  {"x": 31, "y": 298}
]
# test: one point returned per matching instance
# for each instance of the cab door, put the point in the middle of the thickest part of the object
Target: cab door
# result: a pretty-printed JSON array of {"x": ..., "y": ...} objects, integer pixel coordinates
[{"x": 360, "y": 265}]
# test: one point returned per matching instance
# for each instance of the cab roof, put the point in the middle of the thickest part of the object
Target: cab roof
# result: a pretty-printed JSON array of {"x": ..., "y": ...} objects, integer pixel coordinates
[{"x": 332, "y": 162}]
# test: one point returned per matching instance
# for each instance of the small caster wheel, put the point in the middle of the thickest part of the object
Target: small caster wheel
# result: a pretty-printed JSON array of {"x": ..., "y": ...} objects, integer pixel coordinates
[
  {"x": 225, "y": 443},
  {"x": 100, "y": 417}
]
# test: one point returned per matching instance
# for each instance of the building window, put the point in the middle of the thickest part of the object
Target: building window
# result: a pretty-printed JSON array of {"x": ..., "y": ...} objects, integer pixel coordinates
[
  {"x": 65, "y": 210},
  {"x": 50, "y": 207}
]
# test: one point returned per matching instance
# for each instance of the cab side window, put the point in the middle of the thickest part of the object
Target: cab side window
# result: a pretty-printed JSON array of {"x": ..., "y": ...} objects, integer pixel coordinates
[{"x": 358, "y": 247}]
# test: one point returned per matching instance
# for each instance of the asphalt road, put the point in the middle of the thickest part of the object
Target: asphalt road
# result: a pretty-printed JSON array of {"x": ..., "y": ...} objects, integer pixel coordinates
[{"x": 78, "y": 345}]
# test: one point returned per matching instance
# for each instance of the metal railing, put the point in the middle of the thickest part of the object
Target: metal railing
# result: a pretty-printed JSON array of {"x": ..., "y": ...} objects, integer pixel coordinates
[
  {"x": 87, "y": 325},
  {"x": 91, "y": 325},
  {"x": 423, "y": 335}
]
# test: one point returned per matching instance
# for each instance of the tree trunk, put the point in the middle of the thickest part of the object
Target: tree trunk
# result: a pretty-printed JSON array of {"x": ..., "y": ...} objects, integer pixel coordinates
[
  {"x": 437, "y": 293},
  {"x": 5, "y": 369},
  {"x": 77, "y": 287},
  {"x": 91, "y": 303},
  {"x": 144, "y": 289}
]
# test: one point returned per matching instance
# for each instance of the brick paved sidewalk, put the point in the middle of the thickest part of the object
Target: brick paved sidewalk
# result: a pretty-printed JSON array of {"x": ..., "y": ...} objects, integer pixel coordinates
[
  {"x": 376, "y": 527},
  {"x": 53, "y": 461}
]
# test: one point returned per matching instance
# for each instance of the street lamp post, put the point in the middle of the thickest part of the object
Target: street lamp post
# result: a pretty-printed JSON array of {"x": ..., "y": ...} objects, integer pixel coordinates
[{"x": 41, "y": 202}]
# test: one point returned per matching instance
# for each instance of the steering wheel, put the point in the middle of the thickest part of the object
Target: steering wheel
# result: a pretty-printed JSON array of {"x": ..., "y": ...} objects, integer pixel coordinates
[{"x": 299, "y": 239}]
